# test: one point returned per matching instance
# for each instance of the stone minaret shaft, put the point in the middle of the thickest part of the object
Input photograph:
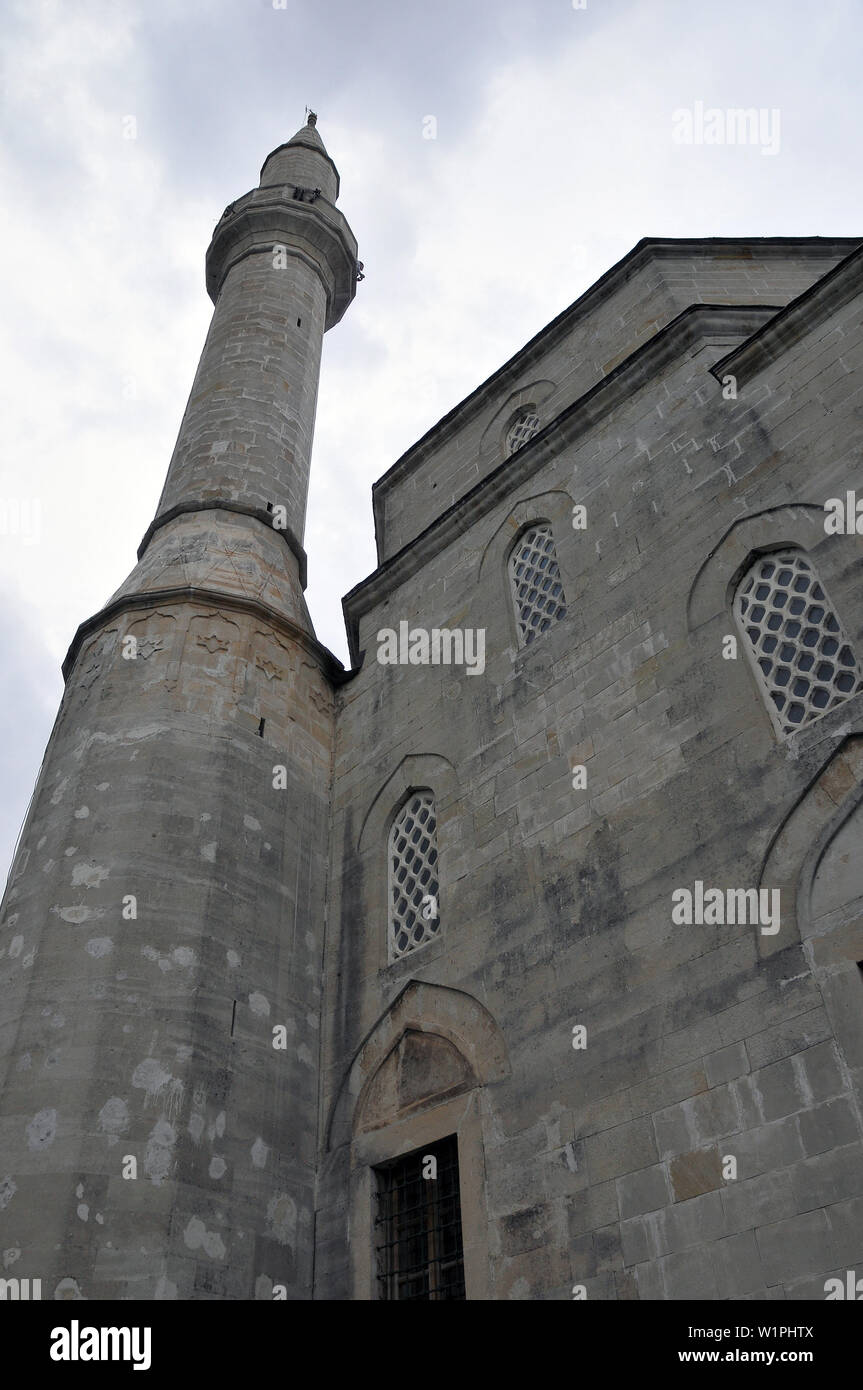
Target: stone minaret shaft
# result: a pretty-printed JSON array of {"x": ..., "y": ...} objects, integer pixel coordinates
[
  {"x": 165, "y": 911},
  {"x": 281, "y": 269}
]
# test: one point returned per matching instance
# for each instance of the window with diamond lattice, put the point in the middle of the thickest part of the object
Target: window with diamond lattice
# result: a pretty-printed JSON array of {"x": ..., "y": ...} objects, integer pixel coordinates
[
  {"x": 521, "y": 430},
  {"x": 413, "y": 881},
  {"x": 795, "y": 641},
  {"x": 418, "y": 1226},
  {"x": 536, "y": 585}
]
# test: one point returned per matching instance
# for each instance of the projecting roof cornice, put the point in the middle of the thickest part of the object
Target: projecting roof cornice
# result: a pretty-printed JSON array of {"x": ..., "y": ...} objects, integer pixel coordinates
[
  {"x": 212, "y": 598},
  {"x": 791, "y": 324},
  {"x": 267, "y": 217},
  {"x": 637, "y": 370},
  {"x": 649, "y": 249}
]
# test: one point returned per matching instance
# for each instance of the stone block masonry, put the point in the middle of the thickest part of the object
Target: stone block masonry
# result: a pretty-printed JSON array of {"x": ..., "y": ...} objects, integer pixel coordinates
[{"x": 214, "y": 1052}]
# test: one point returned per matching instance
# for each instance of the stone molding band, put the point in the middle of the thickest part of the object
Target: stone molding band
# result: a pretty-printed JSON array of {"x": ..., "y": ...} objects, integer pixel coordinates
[
  {"x": 261, "y": 225},
  {"x": 238, "y": 603}
]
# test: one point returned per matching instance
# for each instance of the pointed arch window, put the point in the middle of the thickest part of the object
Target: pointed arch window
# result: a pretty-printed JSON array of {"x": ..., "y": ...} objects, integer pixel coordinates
[
  {"x": 414, "y": 915},
  {"x": 523, "y": 428},
  {"x": 535, "y": 582},
  {"x": 804, "y": 662}
]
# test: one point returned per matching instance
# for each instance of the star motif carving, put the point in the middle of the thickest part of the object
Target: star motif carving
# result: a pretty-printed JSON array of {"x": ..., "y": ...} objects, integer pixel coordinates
[
  {"x": 321, "y": 702},
  {"x": 270, "y": 671}
]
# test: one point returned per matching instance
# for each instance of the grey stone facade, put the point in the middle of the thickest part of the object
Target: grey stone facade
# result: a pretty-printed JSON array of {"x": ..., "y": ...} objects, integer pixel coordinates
[{"x": 261, "y": 906}]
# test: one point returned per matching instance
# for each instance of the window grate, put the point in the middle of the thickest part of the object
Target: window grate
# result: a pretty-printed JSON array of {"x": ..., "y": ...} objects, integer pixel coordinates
[
  {"x": 418, "y": 1227},
  {"x": 520, "y": 431},
  {"x": 413, "y": 880},
  {"x": 795, "y": 641},
  {"x": 536, "y": 584}
]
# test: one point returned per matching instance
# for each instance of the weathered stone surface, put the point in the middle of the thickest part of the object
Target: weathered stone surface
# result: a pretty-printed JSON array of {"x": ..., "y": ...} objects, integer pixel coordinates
[
  {"x": 789, "y": 1249},
  {"x": 737, "y": 1263},
  {"x": 643, "y": 1191},
  {"x": 695, "y": 1173},
  {"x": 263, "y": 902}
]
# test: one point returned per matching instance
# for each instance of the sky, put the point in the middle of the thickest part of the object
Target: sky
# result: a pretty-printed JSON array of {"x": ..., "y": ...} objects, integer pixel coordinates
[{"x": 496, "y": 157}]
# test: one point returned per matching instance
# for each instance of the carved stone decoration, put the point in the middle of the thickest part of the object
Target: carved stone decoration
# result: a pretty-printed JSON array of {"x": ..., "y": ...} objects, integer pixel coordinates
[
  {"x": 91, "y": 671},
  {"x": 213, "y": 643},
  {"x": 270, "y": 671},
  {"x": 423, "y": 1069},
  {"x": 95, "y": 657},
  {"x": 436, "y": 1042},
  {"x": 212, "y": 646},
  {"x": 272, "y": 657},
  {"x": 321, "y": 701},
  {"x": 319, "y": 696},
  {"x": 155, "y": 634},
  {"x": 150, "y": 645}
]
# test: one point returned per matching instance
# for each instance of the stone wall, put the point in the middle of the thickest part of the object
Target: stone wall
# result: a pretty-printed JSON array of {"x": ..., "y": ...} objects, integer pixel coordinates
[{"x": 603, "y": 1166}]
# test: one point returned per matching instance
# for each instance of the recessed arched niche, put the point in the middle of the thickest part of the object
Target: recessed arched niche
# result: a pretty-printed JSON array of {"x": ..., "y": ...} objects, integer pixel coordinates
[
  {"x": 422, "y": 1069},
  {"x": 423, "y": 1075}
]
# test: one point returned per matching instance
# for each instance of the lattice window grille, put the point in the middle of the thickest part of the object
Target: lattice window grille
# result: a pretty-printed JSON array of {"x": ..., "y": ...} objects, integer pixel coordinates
[
  {"x": 795, "y": 641},
  {"x": 413, "y": 882},
  {"x": 536, "y": 584},
  {"x": 520, "y": 431}
]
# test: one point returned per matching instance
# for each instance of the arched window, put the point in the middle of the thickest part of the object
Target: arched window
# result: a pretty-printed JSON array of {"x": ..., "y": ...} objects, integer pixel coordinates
[
  {"x": 523, "y": 428},
  {"x": 534, "y": 576},
  {"x": 795, "y": 641},
  {"x": 413, "y": 881}
]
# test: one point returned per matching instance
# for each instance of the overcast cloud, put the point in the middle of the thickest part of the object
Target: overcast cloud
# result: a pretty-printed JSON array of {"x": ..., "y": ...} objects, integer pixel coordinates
[{"x": 553, "y": 156}]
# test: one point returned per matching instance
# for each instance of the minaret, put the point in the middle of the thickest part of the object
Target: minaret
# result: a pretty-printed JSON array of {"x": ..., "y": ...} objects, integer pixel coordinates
[{"x": 162, "y": 932}]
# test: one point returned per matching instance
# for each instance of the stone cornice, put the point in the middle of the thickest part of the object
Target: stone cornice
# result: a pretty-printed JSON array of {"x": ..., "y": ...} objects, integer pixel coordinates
[
  {"x": 792, "y": 323},
  {"x": 154, "y": 598},
  {"x": 693, "y": 324},
  {"x": 267, "y": 217}
]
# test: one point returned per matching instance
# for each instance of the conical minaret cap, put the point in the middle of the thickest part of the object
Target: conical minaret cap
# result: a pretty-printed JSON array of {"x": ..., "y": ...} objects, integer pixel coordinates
[
  {"x": 303, "y": 161},
  {"x": 309, "y": 134}
]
